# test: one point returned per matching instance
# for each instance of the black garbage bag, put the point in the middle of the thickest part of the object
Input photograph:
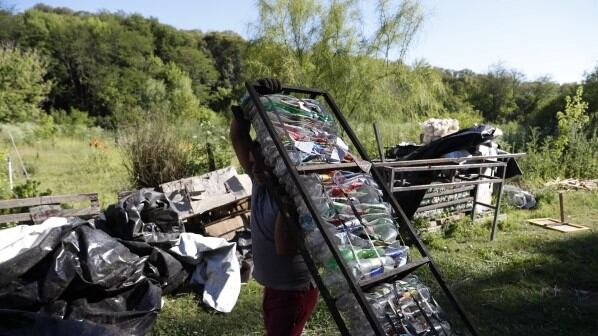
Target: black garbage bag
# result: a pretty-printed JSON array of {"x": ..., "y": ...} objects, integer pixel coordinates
[
  {"x": 145, "y": 215},
  {"x": 401, "y": 150},
  {"x": 84, "y": 275},
  {"x": 243, "y": 241},
  {"x": 518, "y": 197},
  {"x": 23, "y": 323},
  {"x": 466, "y": 139},
  {"x": 161, "y": 266}
]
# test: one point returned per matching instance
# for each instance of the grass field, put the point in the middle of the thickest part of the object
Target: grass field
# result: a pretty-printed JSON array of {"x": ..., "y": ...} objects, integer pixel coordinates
[
  {"x": 530, "y": 281},
  {"x": 65, "y": 165}
]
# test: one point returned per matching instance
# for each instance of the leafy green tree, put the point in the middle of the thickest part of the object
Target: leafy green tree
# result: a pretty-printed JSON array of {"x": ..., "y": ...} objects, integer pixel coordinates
[
  {"x": 572, "y": 119},
  {"x": 590, "y": 85},
  {"x": 316, "y": 43},
  {"x": 226, "y": 49},
  {"x": 497, "y": 94},
  {"x": 22, "y": 84}
]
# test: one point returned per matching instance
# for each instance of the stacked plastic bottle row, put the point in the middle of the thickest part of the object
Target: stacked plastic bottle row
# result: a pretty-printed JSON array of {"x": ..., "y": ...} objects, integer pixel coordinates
[
  {"x": 366, "y": 234},
  {"x": 350, "y": 203},
  {"x": 307, "y": 131},
  {"x": 404, "y": 307}
]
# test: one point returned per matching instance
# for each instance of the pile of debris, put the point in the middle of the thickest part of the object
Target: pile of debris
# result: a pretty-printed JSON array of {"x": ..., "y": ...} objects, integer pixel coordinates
[
  {"x": 107, "y": 276},
  {"x": 574, "y": 184}
]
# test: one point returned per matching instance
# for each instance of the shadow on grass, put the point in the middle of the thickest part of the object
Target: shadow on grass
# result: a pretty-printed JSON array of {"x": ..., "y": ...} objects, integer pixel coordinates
[{"x": 552, "y": 292}]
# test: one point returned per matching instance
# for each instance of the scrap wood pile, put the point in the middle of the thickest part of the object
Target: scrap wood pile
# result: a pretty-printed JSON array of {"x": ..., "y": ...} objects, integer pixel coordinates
[
  {"x": 107, "y": 276},
  {"x": 574, "y": 184},
  {"x": 362, "y": 224}
]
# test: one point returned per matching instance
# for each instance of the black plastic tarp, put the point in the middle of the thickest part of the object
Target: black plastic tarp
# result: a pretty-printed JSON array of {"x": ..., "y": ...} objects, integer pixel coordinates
[
  {"x": 80, "y": 273},
  {"x": 69, "y": 277},
  {"x": 467, "y": 139},
  {"x": 145, "y": 215}
]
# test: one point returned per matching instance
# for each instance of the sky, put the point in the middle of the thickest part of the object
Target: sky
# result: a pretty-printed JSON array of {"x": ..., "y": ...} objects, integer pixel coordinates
[{"x": 555, "y": 38}]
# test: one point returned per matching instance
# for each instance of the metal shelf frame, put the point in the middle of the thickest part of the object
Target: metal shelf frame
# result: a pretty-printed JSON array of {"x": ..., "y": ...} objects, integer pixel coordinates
[
  {"x": 393, "y": 169},
  {"x": 355, "y": 287}
]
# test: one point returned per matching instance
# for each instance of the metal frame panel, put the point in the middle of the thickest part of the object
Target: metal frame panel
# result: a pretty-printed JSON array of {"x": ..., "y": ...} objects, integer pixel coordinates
[{"x": 354, "y": 286}]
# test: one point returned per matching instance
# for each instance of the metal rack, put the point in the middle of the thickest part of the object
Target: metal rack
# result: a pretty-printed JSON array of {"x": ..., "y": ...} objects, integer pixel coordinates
[
  {"x": 356, "y": 287},
  {"x": 393, "y": 171}
]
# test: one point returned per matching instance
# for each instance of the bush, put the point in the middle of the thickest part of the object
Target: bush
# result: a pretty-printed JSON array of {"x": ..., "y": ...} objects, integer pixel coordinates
[
  {"x": 545, "y": 160},
  {"x": 30, "y": 189},
  {"x": 160, "y": 150}
]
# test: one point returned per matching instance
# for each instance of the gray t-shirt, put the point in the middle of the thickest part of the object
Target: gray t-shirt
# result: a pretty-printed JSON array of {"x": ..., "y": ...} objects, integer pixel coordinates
[{"x": 270, "y": 269}]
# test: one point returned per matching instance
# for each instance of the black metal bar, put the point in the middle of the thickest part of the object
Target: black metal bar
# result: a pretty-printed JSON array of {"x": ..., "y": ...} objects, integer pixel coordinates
[
  {"x": 451, "y": 184},
  {"x": 397, "y": 208},
  {"x": 379, "y": 142},
  {"x": 487, "y": 176},
  {"x": 396, "y": 273},
  {"x": 486, "y": 205},
  {"x": 448, "y": 167},
  {"x": 449, "y": 160},
  {"x": 475, "y": 197},
  {"x": 355, "y": 289},
  {"x": 326, "y": 166},
  {"x": 497, "y": 210}
]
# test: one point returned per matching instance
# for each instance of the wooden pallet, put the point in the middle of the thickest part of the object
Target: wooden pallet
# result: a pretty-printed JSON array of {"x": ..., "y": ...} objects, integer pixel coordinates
[
  {"x": 40, "y": 208},
  {"x": 553, "y": 224}
]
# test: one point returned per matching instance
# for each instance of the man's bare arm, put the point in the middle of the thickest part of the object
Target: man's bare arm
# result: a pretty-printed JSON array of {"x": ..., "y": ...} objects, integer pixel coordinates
[
  {"x": 283, "y": 239},
  {"x": 241, "y": 140}
]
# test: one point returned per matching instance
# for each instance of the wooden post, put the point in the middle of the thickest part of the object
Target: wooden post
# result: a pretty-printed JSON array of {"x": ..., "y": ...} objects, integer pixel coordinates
[
  {"x": 18, "y": 156},
  {"x": 562, "y": 207},
  {"x": 211, "y": 161},
  {"x": 379, "y": 142},
  {"x": 9, "y": 164}
]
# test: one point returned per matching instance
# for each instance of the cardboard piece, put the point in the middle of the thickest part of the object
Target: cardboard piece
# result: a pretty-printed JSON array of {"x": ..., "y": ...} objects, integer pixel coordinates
[
  {"x": 199, "y": 194},
  {"x": 225, "y": 229}
]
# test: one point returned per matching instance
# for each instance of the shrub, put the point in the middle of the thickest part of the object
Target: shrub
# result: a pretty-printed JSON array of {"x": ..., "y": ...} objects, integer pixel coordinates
[
  {"x": 30, "y": 189},
  {"x": 160, "y": 150}
]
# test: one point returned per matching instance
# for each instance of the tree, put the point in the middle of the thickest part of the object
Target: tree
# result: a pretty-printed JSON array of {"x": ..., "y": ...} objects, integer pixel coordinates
[
  {"x": 590, "y": 95},
  {"x": 317, "y": 43},
  {"x": 497, "y": 94},
  {"x": 573, "y": 119},
  {"x": 22, "y": 84}
]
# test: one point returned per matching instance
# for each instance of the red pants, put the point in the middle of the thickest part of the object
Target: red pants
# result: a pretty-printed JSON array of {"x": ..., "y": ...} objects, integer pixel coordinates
[{"x": 285, "y": 312}]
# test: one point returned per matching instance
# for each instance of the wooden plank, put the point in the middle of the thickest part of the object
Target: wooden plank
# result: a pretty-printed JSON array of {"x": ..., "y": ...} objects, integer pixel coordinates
[
  {"x": 445, "y": 204},
  {"x": 452, "y": 184},
  {"x": 448, "y": 191},
  {"x": 24, "y": 217},
  {"x": 232, "y": 215},
  {"x": 33, "y": 201},
  {"x": 20, "y": 217},
  {"x": 84, "y": 212},
  {"x": 553, "y": 224},
  {"x": 226, "y": 229}
]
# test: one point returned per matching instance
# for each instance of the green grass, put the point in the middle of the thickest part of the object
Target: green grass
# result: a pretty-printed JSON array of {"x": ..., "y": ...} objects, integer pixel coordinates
[
  {"x": 529, "y": 281},
  {"x": 182, "y": 316},
  {"x": 68, "y": 165}
]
